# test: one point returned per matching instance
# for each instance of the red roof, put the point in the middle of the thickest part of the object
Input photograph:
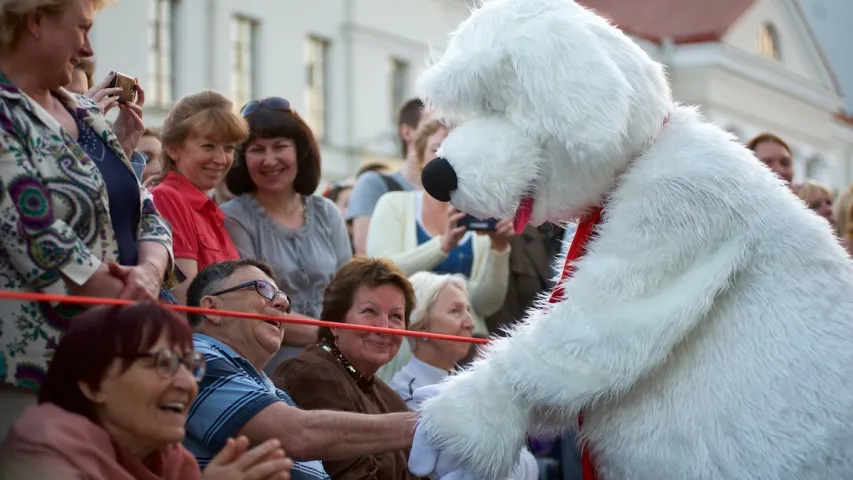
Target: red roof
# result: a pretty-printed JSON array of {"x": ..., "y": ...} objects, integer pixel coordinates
[{"x": 680, "y": 21}]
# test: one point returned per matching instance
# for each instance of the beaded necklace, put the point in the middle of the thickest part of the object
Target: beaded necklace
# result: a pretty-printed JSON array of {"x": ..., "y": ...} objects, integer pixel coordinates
[{"x": 363, "y": 382}]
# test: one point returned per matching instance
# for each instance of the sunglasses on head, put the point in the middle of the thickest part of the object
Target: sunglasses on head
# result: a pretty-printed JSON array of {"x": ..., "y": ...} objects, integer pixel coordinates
[{"x": 273, "y": 103}]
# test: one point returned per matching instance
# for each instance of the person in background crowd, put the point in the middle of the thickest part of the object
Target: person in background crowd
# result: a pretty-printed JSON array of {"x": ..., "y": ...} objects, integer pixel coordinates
[
  {"x": 275, "y": 216},
  {"x": 775, "y": 153},
  {"x": 120, "y": 414},
  {"x": 150, "y": 146},
  {"x": 338, "y": 374},
  {"x": 843, "y": 218},
  {"x": 370, "y": 186},
  {"x": 441, "y": 306},
  {"x": 340, "y": 194},
  {"x": 419, "y": 233},
  {"x": 532, "y": 255},
  {"x": 84, "y": 77},
  {"x": 237, "y": 398},
  {"x": 199, "y": 138},
  {"x": 59, "y": 235},
  {"x": 377, "y": 167},
  {"x": 818, "y": 198}
]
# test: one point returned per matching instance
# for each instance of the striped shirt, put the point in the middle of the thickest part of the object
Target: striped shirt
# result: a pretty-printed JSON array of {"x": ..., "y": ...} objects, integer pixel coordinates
[{"x": 231, "y": 393}]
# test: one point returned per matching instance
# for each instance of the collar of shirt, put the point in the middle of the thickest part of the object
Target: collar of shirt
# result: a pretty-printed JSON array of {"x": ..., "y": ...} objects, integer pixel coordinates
[
  {"x": 196, "y": 199},
  {"x": 233, "y": 355},
  {"x": 425, "y": 373}
]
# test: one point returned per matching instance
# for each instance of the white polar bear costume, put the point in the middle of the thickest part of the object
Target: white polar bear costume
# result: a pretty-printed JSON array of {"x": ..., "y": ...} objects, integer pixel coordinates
[{"x": 707, "y": 332}]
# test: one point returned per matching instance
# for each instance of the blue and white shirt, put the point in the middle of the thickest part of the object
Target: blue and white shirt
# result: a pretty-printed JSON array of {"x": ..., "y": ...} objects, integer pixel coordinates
[{"x": 231, "y": 393}]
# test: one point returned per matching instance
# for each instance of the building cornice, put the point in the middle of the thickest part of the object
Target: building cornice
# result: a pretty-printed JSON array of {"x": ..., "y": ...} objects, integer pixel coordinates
[{"x": 765, "y": 72}]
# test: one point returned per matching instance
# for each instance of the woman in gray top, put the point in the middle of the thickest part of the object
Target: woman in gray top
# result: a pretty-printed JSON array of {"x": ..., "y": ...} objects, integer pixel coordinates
[{"x": 275, "y": 217}]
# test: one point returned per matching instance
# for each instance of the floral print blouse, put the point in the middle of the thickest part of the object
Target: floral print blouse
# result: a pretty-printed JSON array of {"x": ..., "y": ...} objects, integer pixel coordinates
[{"x": 54, "y": 219}]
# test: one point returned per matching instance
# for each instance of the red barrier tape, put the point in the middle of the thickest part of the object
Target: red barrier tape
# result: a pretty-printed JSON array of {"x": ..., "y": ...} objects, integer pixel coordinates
[{"x": 46, "y": 297}]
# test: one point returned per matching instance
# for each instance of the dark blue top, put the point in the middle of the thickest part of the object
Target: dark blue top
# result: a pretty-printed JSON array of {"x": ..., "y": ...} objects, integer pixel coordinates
[
  {"x": 458, "y": 261},
  {"x": 122, "y": 190}
]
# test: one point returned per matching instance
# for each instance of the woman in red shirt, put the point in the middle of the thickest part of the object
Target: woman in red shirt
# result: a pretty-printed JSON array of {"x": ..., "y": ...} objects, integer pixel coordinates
[{"x": 199, "y": 139}]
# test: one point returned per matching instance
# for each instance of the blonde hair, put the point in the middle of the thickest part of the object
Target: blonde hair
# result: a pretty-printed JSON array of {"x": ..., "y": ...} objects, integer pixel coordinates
[
  {"x": 426, "y": 130},
  {"x": 13, "y": 14},
  {"x": 843, "y": 214},
  {"x": 207, "y": 113},
  {"x": 428, "y": 286},
  {"x": 809, "y": 189}
]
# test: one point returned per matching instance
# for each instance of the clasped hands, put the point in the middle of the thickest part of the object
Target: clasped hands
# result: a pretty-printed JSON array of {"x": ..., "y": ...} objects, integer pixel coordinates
[
  {"x": 112, "y": 280},
  {"x": 427, "y": 459}
]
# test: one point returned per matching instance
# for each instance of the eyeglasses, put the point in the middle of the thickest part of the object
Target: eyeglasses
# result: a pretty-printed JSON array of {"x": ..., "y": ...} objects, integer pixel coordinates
[
  {"x": 263, "y": 287},
  {"x": 167, "y": 362},
  {"x": 273, "y": 103}
]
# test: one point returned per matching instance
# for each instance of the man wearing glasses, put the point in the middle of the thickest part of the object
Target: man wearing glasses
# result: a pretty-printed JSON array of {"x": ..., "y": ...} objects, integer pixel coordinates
[{"x": 235, "y": 396}]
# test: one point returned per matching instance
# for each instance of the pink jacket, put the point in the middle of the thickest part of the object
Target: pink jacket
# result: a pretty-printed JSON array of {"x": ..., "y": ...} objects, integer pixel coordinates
[{"x": 50, "y": 443}]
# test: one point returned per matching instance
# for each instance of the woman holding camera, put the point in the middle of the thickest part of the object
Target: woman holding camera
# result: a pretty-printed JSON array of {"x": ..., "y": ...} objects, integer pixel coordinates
[
  {"x": 74, "y": 217},
  {"x": 419, "y": 233}
]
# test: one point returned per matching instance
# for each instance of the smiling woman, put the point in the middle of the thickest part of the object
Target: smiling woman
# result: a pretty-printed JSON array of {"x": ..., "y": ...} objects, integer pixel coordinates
[
  {"x": 115, "y": 402},
  {"x": 199, "y": 138},
  {"x": 339, "y": 373},
  {"x": 75, "y": 219},
  {"x": 277, "y": 218}
]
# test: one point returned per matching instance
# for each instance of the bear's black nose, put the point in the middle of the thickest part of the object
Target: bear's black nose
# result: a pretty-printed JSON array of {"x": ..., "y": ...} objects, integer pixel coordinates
[{"x": 439, "y": 179}]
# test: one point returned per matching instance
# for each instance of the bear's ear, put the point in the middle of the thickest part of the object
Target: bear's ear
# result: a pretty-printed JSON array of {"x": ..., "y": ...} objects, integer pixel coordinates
[
  {"x": 473, "y": 82},
  {"x": 573, "y": 89}
]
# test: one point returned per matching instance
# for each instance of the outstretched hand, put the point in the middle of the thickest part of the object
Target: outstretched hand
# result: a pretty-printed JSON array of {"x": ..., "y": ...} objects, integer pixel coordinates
[{"x": 426, "y": 459}]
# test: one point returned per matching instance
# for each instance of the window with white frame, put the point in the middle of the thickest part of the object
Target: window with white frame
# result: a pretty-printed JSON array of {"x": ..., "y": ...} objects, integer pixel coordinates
[
  {"x": 768, "y": 41},
  {"x": 399, "y": 83},
  {"x": 243, "y": 55},
  {"x": 316, "y": 81},
  {"x": 159, "y": 88}
]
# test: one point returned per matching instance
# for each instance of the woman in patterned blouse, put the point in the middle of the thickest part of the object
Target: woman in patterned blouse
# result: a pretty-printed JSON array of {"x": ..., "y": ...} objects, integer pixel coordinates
[{"x": 73, "y": 217}]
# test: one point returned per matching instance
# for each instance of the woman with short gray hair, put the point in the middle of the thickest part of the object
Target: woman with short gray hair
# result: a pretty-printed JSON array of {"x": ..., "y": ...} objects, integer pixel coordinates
[{"x": 441, "y": 306}]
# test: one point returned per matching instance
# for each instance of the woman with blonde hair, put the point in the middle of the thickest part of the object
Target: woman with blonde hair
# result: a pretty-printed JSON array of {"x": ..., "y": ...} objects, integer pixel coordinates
[
  {"x": 199, "y": 136},
  {"x": 843, "y": 214},
  {"x": 421, "y": 234},
  {"x": 75, "y": 219},
  {"x": 817, "y": 197}
]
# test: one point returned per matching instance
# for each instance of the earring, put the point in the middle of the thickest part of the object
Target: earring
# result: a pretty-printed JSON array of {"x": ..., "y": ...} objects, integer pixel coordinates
[{"x": 37, "y": 35}]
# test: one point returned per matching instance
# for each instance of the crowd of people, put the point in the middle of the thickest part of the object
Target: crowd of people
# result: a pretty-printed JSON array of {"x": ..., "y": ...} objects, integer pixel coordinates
[{"x": 218, "y": 209}]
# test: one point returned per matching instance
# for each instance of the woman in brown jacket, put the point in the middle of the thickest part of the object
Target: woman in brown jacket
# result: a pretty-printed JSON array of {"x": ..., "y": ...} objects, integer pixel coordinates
[{"x": 339, "y": 372}]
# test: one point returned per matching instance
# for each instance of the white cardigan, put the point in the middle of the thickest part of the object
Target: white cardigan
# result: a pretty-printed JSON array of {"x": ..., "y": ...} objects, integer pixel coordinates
[{"x": 393, "y": 234}]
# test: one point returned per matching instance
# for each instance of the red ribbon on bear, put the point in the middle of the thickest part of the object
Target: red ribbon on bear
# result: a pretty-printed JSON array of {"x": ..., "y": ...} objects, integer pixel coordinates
[{"x": 576, "y": 251}]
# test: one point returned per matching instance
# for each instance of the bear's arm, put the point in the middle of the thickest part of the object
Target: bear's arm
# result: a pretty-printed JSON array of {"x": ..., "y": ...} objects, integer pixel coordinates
[{"x": 655, "y": 269}]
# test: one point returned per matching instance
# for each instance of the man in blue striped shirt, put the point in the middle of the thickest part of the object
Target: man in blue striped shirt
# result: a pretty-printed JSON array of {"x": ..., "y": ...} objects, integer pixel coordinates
[{"x": 235, "y": 396}]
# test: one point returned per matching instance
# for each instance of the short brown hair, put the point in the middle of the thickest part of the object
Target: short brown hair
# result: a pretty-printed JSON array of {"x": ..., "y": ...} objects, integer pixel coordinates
[
  {"x": 426, "y": 130},
  {"x": 13, "y": 14},
  {"x": 272, "y": 123},
  {"x": 361, "y": 271},
  {"x": 207, "y": 113},
  {"x": 87, "y": 66},
  {"x": 753, "y": 143},
  {"x": 409, "y": 114},
  {"x": 151, "y": 132}
]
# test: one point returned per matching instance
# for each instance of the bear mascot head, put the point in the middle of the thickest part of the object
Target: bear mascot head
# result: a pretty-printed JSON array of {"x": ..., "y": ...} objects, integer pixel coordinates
[{"x": 703, "y": 325}]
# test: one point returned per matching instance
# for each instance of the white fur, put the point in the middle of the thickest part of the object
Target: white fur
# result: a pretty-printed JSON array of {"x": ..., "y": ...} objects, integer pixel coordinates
[{"x": 707, "y": 333}]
